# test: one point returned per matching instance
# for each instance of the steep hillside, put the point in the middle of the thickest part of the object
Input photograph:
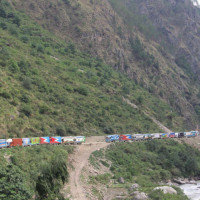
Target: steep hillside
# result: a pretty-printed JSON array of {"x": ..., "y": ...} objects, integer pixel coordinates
[
  {"x": 48, "y": 87},
  {"x": 153, "y": 52}
]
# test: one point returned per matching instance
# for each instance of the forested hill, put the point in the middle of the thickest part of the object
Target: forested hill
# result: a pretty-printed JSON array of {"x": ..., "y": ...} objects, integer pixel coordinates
[{"x": 50, "y": 83}]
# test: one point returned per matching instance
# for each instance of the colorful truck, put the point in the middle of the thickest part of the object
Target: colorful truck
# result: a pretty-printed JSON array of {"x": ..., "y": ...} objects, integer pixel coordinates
[
  {"x": 147, "y": 136},
  {"x": 80, "y": 139},
  {"x": 137, "y": 137},
  {"x": 16, "y": 142},
  {"x": 164, "y": 135},
  {"x": 155, "y": 135},
  {"x": 188, "y": 134},
  {"x": 26, "y": 141},
  {"x": 69, "y": 140},
  {"x": 44, "y": 140},
  {"x": 194, "y": 133},
  {"x": 56, "y": 140},
  {"x": 181, "y": 135},
  {"x": 35, "y": 141},
  {"x": 172, "y": 135},
  {"x": 125, "y": 137},
  {"x": 112, "y": 138},
  {"x": 3, "y": 143}
]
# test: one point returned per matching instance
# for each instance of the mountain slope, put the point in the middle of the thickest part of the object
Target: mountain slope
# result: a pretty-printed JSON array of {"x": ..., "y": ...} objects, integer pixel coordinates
[
  {"x": 145, "y": 49},
  {"x": 50, "y": 87}
]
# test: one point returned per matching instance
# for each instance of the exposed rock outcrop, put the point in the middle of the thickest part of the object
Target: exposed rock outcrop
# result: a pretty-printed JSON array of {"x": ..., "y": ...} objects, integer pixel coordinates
[
  {"x": 121, "y": 180},
  {"x": 133, "y": 187},
  {"x": 166, "y": 189},
  {"x": 139, "y": 196}
]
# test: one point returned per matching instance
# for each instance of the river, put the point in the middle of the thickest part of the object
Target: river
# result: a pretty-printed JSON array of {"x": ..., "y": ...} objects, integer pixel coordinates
[{"x": 191, "y": 190}]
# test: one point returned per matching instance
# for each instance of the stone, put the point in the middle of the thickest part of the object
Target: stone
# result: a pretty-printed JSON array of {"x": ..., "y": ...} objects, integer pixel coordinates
[
  {"x": 166, "y": 189},
  {"x": 133, "y": 187},
  {"x": 139, "y": 196},
  {"x": 180, "y": 181},
  {"x": 121, "y": 180}
]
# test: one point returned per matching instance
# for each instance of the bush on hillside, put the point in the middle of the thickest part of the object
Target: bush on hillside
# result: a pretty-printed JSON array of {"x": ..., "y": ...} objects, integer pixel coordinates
[
  {"x": 51, "y": 179},
  {"x": 158, "y": 160},
  {"x": 13, "y": 184},
  {"x": 26, "y": 109}
]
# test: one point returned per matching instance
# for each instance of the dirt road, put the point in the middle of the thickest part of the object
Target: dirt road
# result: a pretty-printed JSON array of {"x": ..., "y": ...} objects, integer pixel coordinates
[
  {"x": 194, "y": 142},
  {"x": 79, "y": 159}
]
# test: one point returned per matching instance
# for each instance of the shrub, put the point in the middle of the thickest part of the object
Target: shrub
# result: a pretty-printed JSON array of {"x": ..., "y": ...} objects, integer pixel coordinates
[
  {"x": 71, "y": 48},
  {"x": 5, "y": 94},
  {"x": 3, "y": 12},
  {"x": 60, "y": 130},
  {"x": 16, "y": 20},
  {"x": 27, "y": 83},
  {"x": 12, "y": 184},
  {"x": 27, "y": 110},
  {"x": 52, "y": 178},
  {"x": 25, "y": 98},
  {"x": 13, "y": 30},
  {"x": 24, "y": 66},
  {"x": 24, "y": 39},
  {"x": 40, "y": 48},
  {"x": 13, "y": 67},
  {"x": 82, "y": 90},
  {"x": 66, "y": 2},
  {"x": 44, "y": 109},
  {"x": 3, "y": 25}
]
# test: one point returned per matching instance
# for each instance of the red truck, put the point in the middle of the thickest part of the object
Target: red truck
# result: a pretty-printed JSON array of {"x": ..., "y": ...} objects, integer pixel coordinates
[{"x": 16, "y": 142}]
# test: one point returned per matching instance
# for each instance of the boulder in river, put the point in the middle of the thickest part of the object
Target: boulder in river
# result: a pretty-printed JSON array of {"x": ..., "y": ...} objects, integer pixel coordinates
[{"x": 184, "y": 181}]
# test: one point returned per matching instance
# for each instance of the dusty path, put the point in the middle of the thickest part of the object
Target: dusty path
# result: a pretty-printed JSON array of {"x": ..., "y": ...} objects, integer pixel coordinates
[
  {"x": 79, "y": 160},
  {"x": 158, "y": 123}
]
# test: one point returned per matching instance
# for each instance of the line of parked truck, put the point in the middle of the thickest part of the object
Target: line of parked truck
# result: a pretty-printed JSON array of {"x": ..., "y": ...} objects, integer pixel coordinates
[
  {"x": 72, "y": 140},
  {"x": 6, "y": 143},
  {"x": 149, "y": 136}
]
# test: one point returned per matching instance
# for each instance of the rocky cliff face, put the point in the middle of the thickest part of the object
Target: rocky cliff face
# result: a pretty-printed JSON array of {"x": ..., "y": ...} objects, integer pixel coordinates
[
  {"x": 179, "y": 22},
  {"x": 100, "y": 29}
]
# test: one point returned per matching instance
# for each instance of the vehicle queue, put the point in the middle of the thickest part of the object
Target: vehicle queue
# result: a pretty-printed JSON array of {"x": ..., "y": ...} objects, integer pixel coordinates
[
  {"x": 149, "y": 136},
  {"x": 73, "y": 140},
  {"x": 55, "y": 140}
]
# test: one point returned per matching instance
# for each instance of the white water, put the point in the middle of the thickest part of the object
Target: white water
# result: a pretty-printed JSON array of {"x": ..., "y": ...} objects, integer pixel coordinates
[{"x": 191, "y": 190}]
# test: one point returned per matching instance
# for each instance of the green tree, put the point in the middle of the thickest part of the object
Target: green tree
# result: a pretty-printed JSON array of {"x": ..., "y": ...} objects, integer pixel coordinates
[
  {"x": 12, "y": 184},
  {"x": 53, "y": 176}
]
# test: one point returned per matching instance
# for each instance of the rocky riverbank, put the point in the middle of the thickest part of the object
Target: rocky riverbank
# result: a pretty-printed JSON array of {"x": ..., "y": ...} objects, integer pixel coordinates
[
  {"x": 181, "y": 181},
  {"x": 191, "y": 190},
  {"x": 190, "y": 186}
]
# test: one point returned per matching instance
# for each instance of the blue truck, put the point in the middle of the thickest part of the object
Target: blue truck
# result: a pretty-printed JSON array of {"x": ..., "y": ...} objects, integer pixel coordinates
[{"x": 112, "y": 138}]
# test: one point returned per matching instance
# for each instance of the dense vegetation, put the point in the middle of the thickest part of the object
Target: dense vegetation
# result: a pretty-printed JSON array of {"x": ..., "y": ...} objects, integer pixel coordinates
[
  {"x": 154, "y": 161},
  {"x": 147, "y": 163},
  {"x": 37, "y": 170},
  {"x": 49, "y": 87}
]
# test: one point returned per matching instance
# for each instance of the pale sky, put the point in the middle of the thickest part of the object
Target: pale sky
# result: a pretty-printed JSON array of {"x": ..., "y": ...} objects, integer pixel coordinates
[{"x": 196, "y": 3}]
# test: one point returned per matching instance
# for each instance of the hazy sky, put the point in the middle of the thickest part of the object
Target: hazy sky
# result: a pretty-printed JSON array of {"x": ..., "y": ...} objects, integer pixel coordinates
[{"x": 197, "y": 1}]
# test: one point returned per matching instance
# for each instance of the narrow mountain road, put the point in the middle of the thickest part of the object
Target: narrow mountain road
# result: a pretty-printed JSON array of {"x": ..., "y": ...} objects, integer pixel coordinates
[{"x": 79, "y": 160}]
